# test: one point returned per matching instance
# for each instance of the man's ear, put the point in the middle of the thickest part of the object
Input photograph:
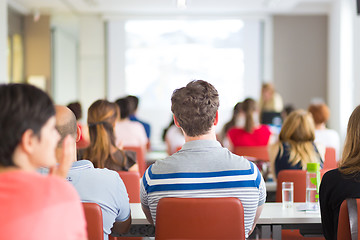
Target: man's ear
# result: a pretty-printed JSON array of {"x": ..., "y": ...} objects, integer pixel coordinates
[
  {"x": 78, "y": 133},
  {"x": 176, "y": 122},
  {"x": 216, "y": 121},
  {"x": 27, "y": 141}
]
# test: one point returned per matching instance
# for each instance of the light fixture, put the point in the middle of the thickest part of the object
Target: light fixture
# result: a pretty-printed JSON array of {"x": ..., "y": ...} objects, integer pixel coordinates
[{"x": 181, "y": 4}]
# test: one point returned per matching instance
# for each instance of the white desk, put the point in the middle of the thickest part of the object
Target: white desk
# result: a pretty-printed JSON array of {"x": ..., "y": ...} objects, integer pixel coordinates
[{"x": 272, "y": 219}]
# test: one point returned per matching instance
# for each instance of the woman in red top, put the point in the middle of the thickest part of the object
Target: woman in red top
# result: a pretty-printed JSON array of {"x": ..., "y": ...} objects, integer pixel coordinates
[{"x": 253, "y": 133}]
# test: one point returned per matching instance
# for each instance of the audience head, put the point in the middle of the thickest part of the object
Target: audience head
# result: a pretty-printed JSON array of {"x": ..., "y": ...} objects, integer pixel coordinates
[
  {"x": 320, "y": 113},
  {"x": 65, "y": 125},
  {"x": 195, "y": 107},
  {"x": 133, "y": 104},
  {"x": 102, "y": 116},
  {"x": 298, "y": 127},
  {"x": 75, "y": 107},
  {"x": 27, "y": 120},
  {"x": 124, "y": 105},
  {"x": 298, "y": 131},
  {"x": 251, "y": 114},
  {"x": 267, "y": 91},
  {"x": 350, "y": 163},
  {"x": 286, "y": 111}
]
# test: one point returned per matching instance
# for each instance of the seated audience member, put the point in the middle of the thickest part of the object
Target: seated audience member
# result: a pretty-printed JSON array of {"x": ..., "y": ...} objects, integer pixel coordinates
[
  {"x": 129, "y": 133},
  {"x": 84, "y": 140},
  {"x": 237, "y": 120},
  {"x": 253, "y": 133},
  {"x": 133, "y": 105},
  {"x": 174, "y": 138},
  {"x": 202, "y": 154},
  {"x": 270, "y": 100},
  {"x": 102, "y": 152},
  {"x": 343, "y": 182},
  {"x": 323, "y": 135},
  {"x": 289, "y": 108},
  {"x": 34, "y": 206},
  {"x": 296, "y": 146},
  {"x": 101, "y": 186}
]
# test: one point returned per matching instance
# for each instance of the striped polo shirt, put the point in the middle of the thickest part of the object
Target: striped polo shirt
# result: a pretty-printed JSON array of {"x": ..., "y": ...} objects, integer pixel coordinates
[{"x": 204, "y": 169}]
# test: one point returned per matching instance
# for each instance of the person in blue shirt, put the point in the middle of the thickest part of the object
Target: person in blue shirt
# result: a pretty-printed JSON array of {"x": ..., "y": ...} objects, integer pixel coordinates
[{"x": 101, "y": 186}]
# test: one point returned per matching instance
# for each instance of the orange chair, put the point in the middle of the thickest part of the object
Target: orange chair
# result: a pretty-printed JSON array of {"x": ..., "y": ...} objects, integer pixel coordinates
[
  {"x": 298, "y": 177},
  {"x": 343, "y": 224},
  {"x": 199, "y": 218},
  {"x": 132, "y": 184},
  {"x": 257, "y": 152},
  {"x": 94, "y": 221},
  {"x": 140, "y": 157},
  {"x": 330, "y": 159}
]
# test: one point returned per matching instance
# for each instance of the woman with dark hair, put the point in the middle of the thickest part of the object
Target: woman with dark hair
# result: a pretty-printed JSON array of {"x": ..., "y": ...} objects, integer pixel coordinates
[
  {"x": 252, "y": 133},
  {"x": 237, "y": 120},
  {"x": 102, "y": 116},
  {"x": 343, "y": 182}
]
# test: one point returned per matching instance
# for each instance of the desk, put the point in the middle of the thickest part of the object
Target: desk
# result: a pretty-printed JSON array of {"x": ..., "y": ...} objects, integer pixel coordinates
[{"x": 272, "y": 220}]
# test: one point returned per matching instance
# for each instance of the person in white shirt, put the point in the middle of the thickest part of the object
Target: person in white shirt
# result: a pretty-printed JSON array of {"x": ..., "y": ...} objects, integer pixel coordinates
[
  {"x": 127, "y": 132},
  {"x": 325, "y": 136}
]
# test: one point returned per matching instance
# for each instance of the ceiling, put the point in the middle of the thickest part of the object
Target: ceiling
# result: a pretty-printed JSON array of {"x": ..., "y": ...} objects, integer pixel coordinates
[{"x": 169, "y": 7}]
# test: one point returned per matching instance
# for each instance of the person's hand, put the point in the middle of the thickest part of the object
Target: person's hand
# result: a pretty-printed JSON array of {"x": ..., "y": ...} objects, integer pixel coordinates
[{"x": 66, "y": 159}]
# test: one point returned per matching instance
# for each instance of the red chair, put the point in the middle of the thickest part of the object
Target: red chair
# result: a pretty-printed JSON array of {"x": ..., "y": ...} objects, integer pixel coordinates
[
  {"x": 94, "y": 221},
  {"x": 344, "y": 232},
  {"x": 140, "y": 157},
  {"x": 132, "y": 184},
  {"x": 257, "y": 152},
  {"x": 330, "y": 159},
  {"x": 298, "y": 177},
  {"x": 199, "y": 218}
]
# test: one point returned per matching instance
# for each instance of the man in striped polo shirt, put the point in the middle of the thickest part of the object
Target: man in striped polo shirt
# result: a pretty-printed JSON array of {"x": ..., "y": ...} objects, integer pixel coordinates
[{"x": 202, "y": 168}]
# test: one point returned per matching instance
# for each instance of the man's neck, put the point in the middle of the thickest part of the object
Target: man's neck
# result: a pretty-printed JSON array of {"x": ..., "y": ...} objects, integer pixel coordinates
[{"x": 209, "y": 136}]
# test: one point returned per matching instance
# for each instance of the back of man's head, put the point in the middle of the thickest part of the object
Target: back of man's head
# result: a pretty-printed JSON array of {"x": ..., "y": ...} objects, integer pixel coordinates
[
  {"x": 23, "y": 107},
  {"x": 195, "y": 107},
  {"x": 133, "y": 104},
  {"x": 65, "y": 123},
  {"x": 123, "y": 104}
]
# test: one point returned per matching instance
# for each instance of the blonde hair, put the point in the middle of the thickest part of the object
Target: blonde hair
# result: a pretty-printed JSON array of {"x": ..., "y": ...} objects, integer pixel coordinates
[
  {"x": 298, "y": 131},
  {"x": 102, "y": 116},
  {"x": 350, "y": 163}
]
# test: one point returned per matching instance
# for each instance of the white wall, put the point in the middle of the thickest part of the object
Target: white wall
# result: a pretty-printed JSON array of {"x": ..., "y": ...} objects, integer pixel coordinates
[
  {"x": 92, "y": 84},
  {"x": 341, "y": 64},
  {"x": 3, "y": 42}
]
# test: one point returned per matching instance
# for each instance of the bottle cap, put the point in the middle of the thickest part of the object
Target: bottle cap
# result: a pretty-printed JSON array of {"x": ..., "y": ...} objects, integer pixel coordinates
[{"x": 313, "y": 167}]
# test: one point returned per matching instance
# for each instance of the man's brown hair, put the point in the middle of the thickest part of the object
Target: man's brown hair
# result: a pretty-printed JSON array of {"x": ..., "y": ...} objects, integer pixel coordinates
[{"x": 195, "y": 107}]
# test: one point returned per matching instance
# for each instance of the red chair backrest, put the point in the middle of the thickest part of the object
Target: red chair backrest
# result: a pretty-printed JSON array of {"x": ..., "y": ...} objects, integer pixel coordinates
[
  {"x": 140, "y": 157},
  {"x": 343, "y": 232},
  {"x": 330, "y": 159},
  {"x": 298, "y": 177},
  {"x": 258, "y": 152},
  {"x": 94, "y": 221},
  {"x": 199, "y": 218},
  {"x": 132, "y": 184}
]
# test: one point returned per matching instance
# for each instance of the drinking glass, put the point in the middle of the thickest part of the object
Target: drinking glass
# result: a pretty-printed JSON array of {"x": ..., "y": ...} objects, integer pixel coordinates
[{"x": 288, "y": 194}]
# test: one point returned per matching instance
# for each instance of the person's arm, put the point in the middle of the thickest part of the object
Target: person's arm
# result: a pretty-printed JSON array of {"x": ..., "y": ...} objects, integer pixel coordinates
[
  {"x": 257, "y": 215},
  {"x": 121, "y": 227},
  {"x": 147, "y": 212}
]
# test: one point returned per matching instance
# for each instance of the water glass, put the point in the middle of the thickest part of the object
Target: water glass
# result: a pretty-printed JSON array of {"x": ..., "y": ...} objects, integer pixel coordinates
[{"x": 288, "y": 194}]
